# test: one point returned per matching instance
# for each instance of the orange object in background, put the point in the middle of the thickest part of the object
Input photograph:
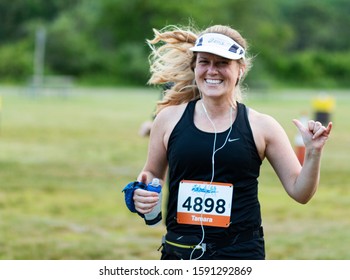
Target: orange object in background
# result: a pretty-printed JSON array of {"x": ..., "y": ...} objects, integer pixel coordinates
[
  {"x": 299, "y": 146},
  {"x": 300, "y": 152}
]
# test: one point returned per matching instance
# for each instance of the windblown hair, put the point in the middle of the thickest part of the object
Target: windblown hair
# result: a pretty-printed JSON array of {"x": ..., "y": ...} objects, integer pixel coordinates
[{"x": 171, "y": 61}]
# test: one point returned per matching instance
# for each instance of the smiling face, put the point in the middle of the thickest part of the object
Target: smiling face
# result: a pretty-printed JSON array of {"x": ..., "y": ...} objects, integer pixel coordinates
[{"x": 216, "y": 76}]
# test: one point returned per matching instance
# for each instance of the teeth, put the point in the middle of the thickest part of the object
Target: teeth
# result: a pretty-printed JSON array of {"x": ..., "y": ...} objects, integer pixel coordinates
[{"x": 213, "y": 81}]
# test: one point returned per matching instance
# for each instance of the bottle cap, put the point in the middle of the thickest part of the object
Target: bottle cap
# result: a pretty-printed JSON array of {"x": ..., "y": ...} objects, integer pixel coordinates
[{"x": 155, "y": 181}]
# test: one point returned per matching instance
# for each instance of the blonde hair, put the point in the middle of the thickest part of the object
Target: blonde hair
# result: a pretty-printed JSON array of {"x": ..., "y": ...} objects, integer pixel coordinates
[{"x": 173, "y": 62}]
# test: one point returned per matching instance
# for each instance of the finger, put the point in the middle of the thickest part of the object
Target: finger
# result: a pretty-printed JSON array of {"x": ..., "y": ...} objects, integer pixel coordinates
[
  {"x": 320, "y": 131},
  {"x": 329, "y": 128},
  {"x": 311, "y": 125},
  {"x": 324, "y": 131},
  {"x": 144, "y": 178},
  {"x": 145, "y": 201},
  {"x": 314, "y": 126},
  {"x": 317, "y": 127},
  {"x": 145, "y": 204},
  {"x": 144, "y": 208},
  {"x": 299, "y": 125},
  {"x": 145, "y": 196}
]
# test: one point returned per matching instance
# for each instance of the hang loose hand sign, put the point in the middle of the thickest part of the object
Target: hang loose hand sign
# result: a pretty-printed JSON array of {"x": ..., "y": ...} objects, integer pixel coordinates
[{"x": 314, "y": 134}]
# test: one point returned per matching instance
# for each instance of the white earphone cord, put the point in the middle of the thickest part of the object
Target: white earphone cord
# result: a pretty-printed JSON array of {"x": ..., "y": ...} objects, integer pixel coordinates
[{"x": 213, "y": 172}]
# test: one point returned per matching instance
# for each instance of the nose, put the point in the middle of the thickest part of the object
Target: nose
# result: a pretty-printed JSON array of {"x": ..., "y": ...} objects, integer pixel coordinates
[{"x": 212, "y": 69}]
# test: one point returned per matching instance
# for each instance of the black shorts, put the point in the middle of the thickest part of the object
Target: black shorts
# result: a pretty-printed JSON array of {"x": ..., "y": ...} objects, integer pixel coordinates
[{"x": 250, "y": 248}]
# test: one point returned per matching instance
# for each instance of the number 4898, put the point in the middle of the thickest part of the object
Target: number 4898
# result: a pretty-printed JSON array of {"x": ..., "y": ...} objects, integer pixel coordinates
[{"x": 209, "y": 205}]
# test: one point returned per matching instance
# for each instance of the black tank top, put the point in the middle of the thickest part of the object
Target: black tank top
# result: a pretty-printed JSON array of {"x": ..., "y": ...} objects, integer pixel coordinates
[{"x": 190, "y": 158}]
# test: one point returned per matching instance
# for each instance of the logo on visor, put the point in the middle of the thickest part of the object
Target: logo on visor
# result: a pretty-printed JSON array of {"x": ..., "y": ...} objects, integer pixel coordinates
[
  {"x": 200, "y": 42},
  {"x": 234, "y": 48},
  {"x": 217, "y": 41}
]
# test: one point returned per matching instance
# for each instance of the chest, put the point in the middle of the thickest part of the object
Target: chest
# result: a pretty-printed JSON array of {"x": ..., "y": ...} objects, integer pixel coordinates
[{"x": 230, "y": 150}]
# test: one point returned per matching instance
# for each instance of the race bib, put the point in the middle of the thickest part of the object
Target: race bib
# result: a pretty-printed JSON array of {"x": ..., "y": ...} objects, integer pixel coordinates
[{"x": 204, "y": 203}]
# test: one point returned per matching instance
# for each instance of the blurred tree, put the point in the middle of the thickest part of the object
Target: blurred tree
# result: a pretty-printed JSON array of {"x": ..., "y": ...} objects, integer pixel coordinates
[
  {"x": 71, "y": 47},
  {"x": 106, "y": 38},
  {"x": 137, "y": 18},
  {"x": 318, "y": 24},
  {"x": 14, "y": 66},
  {"x": 16, "y": 14}
]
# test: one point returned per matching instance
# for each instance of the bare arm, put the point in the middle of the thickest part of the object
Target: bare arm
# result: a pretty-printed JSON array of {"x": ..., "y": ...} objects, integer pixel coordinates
[
  {"x": 315, "y": 136},
  {"x": 155, "y": 167},
  {"x": 300, "y": 182},
  {"x": 156, "y": 164}
]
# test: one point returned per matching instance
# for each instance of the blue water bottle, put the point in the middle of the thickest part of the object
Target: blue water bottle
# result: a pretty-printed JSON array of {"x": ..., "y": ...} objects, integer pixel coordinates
[{"x": 155, "y": 216}]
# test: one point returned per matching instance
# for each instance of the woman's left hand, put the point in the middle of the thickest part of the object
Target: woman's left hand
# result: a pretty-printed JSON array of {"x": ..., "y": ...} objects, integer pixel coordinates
[{"x": 314, "y": 134}]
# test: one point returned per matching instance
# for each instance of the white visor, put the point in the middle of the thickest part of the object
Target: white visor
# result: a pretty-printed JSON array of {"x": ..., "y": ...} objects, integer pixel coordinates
[{"x": 220, "y": 45}]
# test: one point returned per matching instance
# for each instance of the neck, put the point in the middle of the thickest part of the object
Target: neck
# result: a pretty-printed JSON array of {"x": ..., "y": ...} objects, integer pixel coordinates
[
  {"x": 217, "y": 110},
  {"x": 211, "y": 120}
]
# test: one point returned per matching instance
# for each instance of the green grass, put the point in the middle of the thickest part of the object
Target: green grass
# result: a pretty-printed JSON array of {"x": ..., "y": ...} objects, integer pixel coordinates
[{"x": 65, "y": 159}]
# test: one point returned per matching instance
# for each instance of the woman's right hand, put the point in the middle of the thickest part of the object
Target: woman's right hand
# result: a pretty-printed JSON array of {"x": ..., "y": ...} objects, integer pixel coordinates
[{"x": 145, "y": 200}]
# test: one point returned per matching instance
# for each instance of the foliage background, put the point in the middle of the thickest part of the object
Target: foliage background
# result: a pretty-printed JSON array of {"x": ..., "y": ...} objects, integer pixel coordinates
[{"x": 296, "y": 43}]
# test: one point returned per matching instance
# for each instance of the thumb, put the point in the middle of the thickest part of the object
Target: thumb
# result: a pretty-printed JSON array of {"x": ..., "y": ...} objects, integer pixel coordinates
[
  {"x": 299, "y": 125},
  {"x": 144, "y": 178}
]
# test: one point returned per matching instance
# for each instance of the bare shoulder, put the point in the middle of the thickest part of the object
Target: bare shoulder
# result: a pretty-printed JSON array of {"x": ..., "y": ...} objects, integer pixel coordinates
[
  {"x": 265, "y": 130},
  {"x": 167, "y": 119},
  {"x": 170, "y": 114},
  {"x": 171, "y": 110},
  {"x": 262, "y": 121}
]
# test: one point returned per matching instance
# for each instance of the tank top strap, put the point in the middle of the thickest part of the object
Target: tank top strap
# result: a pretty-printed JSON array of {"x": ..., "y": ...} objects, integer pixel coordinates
[
  {"x": 191, "y": 107},
  {"x": 242, "y": 112}
]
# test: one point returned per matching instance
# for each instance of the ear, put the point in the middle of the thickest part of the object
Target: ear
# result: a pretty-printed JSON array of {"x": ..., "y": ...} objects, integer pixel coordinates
[{"x": 241, "y": 73}]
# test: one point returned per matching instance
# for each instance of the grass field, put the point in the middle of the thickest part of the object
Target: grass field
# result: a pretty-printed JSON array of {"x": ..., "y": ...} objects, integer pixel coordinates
[{"x": 65, "y": 159}]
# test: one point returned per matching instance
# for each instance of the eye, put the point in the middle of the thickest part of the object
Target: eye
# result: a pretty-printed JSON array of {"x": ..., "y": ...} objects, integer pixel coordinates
[
  {"x": 223, "y": 62},
  {"x": 202, "y": 61}
]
